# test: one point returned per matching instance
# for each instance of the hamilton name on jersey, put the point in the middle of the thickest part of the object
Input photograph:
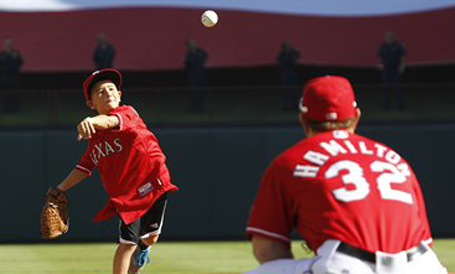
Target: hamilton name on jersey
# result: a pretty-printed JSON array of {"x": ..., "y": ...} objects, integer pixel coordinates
[
  {"x": 340, "y": 145},
  {"x": 105, "y": 149}
]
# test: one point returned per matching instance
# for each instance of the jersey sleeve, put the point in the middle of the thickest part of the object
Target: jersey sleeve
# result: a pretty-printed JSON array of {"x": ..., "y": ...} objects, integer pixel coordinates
[
  {"x": 86, "y": 163},
  {"x": 126, "y": 116},
  {"x": 422, "y": 211},
  {"x": 270, "y": 214}
]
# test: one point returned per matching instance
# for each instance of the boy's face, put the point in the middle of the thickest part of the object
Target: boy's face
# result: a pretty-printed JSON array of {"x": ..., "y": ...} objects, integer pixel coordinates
[{"x": 105, "y": 97}]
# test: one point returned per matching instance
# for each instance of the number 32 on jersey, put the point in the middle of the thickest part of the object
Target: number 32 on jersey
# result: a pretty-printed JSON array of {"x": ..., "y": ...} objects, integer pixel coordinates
[{"x": 389, "y": 175}]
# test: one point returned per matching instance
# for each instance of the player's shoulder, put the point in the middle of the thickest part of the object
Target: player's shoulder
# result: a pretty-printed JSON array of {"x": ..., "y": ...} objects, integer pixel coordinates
[
  {"x": 389, "y": 151},
  {"x": 373, "y": 142},
  {"x": 320, "y": 141}
]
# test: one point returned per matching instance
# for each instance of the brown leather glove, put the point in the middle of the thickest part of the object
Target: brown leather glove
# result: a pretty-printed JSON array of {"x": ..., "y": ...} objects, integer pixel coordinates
[{"x": 54, "y": 216}]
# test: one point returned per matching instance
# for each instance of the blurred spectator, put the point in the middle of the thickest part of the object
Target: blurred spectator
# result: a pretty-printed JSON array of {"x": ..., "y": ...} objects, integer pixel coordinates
[
  {"x": 392, "y": 54},
  {"x": 104, "y": 53},
  {"x": 287, "y": 60},
  {"x": 195, "y": 60},
  {"x": 10, "y": 66}
]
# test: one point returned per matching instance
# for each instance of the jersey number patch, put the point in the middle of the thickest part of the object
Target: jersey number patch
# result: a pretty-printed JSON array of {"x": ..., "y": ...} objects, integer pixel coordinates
[{"x": 389, "y": 174}]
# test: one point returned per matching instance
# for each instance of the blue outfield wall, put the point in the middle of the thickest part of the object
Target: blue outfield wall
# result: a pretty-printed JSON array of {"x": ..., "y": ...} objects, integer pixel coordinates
[{"x": 217, "y": 169}]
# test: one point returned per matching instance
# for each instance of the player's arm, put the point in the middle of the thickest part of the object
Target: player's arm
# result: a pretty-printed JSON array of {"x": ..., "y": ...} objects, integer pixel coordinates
[
  {"x": 271, "y": 218},
  {"x": 103, "y": 122},
  {"x": 73, "y": 178},
  {"x": 90, "y": 125},
  {"x": 266, "y": 249},
  {"x": 422, "y": 211}
]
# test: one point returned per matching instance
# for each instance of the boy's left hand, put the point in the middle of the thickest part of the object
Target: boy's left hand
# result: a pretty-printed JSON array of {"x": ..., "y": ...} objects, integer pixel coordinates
[
  {"x": 54, "y": 215},
  {"x": 85, "y": 129}
]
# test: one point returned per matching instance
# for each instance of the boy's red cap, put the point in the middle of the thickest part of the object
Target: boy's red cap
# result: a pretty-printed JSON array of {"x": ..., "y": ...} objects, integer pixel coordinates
[
  {"x": 100, "y": 75},
  {"x": 328, "y": 98}
]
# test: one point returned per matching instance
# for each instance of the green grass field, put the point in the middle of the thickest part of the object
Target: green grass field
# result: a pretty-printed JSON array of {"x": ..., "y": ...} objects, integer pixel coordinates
[{"x": 167, "y": 257}]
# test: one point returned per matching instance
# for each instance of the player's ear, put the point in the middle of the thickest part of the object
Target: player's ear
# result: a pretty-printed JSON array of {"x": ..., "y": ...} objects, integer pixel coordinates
[
  {"x": 301, "y": 120},
  {"x": 120, "y": 94},
  {"x": 90, "y": 104},
  {"x": 357, "y": 118},
  {"x": 304, "y": 124}
]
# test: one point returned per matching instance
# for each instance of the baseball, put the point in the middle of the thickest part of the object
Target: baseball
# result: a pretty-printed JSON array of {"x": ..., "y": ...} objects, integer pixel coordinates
[{"x": 209, "y": 18}]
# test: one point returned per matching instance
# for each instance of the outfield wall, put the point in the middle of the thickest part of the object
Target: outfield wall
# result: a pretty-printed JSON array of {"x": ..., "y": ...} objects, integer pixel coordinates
[{"x": 217, "y": 169}]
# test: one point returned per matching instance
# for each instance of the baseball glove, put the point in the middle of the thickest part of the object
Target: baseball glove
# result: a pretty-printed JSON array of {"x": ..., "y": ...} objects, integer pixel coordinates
[{"x": 54, "y": 216}]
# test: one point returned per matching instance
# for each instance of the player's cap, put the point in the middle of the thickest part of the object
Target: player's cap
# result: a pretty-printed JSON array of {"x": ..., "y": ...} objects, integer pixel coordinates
[
  {"x": 328, "y": 98},
  {"x": 101, "y": 75}
]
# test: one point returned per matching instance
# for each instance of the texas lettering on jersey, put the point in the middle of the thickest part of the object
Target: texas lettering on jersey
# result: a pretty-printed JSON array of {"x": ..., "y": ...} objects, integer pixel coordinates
[
  {"x": 131, "y": 165},
  {"x": 104, "y": 149}
]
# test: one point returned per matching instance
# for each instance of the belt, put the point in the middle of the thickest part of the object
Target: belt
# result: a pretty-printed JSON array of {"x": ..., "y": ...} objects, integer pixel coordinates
[{"x": 371, "y": 257}]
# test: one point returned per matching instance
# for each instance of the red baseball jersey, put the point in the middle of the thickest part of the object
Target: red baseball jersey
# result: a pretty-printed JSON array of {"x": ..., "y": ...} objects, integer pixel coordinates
[
  {"x": 131, "y": 164},
  {"x": 337, "y": 185}
]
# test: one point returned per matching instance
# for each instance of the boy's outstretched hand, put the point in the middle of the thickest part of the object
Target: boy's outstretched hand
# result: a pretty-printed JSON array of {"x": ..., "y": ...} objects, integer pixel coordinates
[{"x": 85, "y": 129}]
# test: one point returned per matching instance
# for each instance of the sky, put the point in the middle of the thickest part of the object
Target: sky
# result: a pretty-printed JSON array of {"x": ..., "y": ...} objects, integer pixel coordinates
[{"x": 302, "y": 7}]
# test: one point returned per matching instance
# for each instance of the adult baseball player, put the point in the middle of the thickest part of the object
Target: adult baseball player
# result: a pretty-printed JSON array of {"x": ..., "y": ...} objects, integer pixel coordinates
[
  {"x": 132, "y": 168},
  {"x": 355, "y": 202}
]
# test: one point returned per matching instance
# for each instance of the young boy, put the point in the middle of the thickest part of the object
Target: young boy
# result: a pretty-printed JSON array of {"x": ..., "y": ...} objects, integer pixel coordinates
[{"x": 132, "y": 168}]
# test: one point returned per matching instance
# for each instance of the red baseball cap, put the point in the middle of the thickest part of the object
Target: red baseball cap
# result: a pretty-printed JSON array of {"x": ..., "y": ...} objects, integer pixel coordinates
[
  {"x": 101, "y": 75},
  {"x": 328, "y": 98}
]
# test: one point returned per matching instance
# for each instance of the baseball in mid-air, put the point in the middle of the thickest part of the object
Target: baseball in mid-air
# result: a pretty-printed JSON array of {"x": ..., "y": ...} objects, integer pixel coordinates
[{"x": 209, "y": 18}]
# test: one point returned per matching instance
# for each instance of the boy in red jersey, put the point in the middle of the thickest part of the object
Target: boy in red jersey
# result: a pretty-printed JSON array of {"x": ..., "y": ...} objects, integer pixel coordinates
[
  {"x": 354, "y": 201},
  {"x": 132, "y": 168}
]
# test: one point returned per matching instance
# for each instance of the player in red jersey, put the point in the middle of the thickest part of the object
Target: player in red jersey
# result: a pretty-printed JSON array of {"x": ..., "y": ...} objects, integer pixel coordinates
[
  {"x": 354, "y": 201},
  {"x": 132, "y": 168}
]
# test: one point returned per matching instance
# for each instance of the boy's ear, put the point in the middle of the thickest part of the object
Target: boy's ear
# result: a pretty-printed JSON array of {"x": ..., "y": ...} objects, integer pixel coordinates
[{"x": 90, "y": 104}]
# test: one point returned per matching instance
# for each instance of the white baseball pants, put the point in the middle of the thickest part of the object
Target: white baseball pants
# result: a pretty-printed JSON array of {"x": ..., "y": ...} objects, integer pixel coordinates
[{"x": 329, "y": 261}]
